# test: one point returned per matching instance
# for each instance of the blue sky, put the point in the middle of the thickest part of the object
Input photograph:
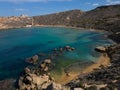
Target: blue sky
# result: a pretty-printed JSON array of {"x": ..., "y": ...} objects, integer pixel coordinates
[{"x": 41, "y": 7}]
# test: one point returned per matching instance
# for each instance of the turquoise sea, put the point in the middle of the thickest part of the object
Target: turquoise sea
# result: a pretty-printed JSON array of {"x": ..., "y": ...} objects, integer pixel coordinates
[{"x": 18, "y": 44}]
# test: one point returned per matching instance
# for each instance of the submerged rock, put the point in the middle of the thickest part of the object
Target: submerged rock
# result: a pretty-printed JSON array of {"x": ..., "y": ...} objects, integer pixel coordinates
[{"x": 68, "y": 48}]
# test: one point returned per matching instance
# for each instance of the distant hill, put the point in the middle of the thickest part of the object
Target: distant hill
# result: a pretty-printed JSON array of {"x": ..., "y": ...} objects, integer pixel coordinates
[
  {"x": 14, "y": 22},
  {"x": 104, "y": 17},
  {"x": 62, "y": 18}
]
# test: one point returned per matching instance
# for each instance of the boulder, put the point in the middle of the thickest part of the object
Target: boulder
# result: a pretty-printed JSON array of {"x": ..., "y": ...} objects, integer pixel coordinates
[
  {"x": 100, "y": 49},
  {"x": 47, "y": 61},
  {"x": 35, "y": 58},
  {"x": 36, "y": 82},
  {"x": 46, "y": 69},
  {"x": 29, "y": 78},
  {"x": 27, "y": 70},
  {"x": 42, "y": 65}
]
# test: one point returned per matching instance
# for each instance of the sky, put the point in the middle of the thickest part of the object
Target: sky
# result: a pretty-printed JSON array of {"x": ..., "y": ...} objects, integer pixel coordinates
[{"x": 42, "y": 7}]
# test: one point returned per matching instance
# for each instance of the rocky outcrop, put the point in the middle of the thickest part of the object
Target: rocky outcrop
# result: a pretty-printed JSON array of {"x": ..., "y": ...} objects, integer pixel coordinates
[
  {"x": 34, "y": 82},
  {"x": 14, "y": 22},
  {"x": 41, "y": 82},
  {"x": 105, "y": 78},
  {"x": 38, "y": 77}
]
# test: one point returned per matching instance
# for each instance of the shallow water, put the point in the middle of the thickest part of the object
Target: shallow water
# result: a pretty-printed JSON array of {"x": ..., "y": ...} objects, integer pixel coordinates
[{"x": 18, "y": 44}]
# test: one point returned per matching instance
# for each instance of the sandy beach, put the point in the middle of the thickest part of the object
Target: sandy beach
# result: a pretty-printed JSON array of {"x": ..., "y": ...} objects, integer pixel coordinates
[{"x": 102, "y": 60}]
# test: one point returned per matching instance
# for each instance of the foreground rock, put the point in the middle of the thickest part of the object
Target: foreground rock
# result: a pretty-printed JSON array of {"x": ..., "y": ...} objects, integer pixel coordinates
[
  {"x": 32, "y": 81},
  {"x": 106, "y": 78}
]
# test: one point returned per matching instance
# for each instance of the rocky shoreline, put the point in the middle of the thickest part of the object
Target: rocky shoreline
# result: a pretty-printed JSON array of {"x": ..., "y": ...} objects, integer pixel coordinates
[
  {"x": 107, "y": 77},
  {"x": 38, "y": 78},
  {"x": 102, "y": 78}
]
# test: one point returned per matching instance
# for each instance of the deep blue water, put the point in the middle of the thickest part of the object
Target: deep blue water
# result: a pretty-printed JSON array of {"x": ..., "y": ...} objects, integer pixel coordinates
[{"x": 18, "y": 44}]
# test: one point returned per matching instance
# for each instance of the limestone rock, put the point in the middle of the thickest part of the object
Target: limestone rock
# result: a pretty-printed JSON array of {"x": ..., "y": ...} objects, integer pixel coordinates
[
  {"x": 47, "y": 61},
  {"x": 46, "y": 69},
  {"x": 27, "y": 70},
  {"x": 34, "y": 82},
  {"x": 100, "y": 49},
  {"x": 42, "y": 65},
  {"x": 35, "y": 58}
]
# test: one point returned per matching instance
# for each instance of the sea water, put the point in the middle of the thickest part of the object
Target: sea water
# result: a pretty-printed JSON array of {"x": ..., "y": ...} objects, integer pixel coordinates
[{"x": 18, "y": 44}]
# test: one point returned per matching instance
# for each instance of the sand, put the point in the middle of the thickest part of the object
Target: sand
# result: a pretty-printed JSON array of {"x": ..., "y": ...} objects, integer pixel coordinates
[{"x": 102, "y": 60}]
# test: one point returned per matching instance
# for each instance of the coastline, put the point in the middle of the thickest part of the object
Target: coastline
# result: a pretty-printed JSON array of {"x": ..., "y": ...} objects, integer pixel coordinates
[
  {"x": 103, "y": 60},
  {"x": 64, "y": 26}
]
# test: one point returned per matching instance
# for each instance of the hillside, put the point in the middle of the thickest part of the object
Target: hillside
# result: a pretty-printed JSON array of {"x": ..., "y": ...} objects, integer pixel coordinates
[
  {"x": 100, "y": 18},
  {"x": 62, "y": 18},
  {"x": 104, "y": 17},
  {"x": 14, "y": 22}
]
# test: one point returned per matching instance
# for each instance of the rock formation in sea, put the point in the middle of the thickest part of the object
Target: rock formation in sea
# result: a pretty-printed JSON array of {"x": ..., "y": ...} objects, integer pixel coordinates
[{"x": 38, "y": 77}]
